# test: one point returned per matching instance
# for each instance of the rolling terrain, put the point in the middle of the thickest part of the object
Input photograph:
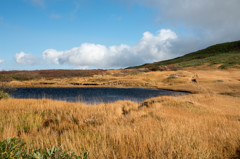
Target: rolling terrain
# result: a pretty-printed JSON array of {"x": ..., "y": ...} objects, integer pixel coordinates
[
  {"x": 204, "y": 124},
  {"x": 226, "y": 55}
]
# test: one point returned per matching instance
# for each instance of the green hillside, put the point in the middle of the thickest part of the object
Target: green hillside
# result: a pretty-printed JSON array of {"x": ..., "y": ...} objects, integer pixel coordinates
[{"x": 226, "y": 54}]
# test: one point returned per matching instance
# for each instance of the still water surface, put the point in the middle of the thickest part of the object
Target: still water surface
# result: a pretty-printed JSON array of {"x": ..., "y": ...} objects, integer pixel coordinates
[{"x": 93, "y": 95}]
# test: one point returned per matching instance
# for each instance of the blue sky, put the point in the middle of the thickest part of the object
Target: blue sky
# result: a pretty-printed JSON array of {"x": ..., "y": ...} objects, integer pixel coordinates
[{"x": 80, "y": 34}]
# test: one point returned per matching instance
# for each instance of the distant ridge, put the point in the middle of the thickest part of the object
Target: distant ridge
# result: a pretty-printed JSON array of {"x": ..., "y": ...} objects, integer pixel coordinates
[{"x": 226, "y": 54}]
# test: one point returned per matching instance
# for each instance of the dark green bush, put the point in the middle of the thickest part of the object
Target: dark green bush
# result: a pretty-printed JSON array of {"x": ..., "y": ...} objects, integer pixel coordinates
[{"x": 15, "y": 148}]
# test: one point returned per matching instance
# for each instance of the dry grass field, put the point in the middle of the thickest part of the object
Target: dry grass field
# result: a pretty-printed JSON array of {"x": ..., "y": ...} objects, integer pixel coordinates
[
  {"x": 226, "y": 82},
  {"x": 205, "y": 124}
]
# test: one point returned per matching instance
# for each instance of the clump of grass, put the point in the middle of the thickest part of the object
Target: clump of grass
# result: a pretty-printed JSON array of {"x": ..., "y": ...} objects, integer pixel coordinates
[{"x": 16, "y": 148}]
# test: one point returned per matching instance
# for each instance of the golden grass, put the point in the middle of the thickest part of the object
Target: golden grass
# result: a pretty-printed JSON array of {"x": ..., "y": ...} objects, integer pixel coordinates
[
  {"x": 201, "y": 125},
  {"x": 208, "y": 80},
  {"x": 192, "y": 126}
]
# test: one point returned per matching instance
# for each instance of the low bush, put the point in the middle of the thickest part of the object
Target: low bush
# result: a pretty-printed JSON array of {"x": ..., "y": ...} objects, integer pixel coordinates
[
  {"x": 16, "y": 148},
  {"x": 4, "y": 95}
]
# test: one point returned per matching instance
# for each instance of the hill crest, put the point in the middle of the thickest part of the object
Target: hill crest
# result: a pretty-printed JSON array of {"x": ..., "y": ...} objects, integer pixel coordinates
[{"x": 226, "y": 54}]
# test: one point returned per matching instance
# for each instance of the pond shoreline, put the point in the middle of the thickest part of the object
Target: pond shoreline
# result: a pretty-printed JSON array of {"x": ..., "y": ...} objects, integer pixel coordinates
[{"x": 92, "y": 94}]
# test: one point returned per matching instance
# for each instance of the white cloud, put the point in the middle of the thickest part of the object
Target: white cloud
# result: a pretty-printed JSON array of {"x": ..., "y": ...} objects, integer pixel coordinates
[
  {"x": 26, "y": 59},
  {"x": 150, "y": 48},
  {"x": 212, "y": 21},
  {"x": 201, "y": 23},
  {"x": 52, "y": 55},
  {"x": 1, "y": 61}
]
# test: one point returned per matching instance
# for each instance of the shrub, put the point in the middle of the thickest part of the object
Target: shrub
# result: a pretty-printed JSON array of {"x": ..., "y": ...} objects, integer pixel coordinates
[
  {"x": 4, "y": 95},
  {"x": 16, "y": 148}
]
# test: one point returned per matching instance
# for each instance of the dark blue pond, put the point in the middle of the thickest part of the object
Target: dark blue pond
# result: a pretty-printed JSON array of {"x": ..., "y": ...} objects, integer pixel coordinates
[{"x": 93, "y": 95}]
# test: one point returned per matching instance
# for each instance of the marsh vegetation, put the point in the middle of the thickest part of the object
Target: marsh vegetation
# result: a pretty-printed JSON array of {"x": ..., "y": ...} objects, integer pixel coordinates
[{"x": 192, "y": 126}]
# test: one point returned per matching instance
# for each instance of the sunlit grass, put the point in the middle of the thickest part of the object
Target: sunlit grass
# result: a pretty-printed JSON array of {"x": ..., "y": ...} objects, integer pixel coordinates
[{"x": 193, "y": 126}]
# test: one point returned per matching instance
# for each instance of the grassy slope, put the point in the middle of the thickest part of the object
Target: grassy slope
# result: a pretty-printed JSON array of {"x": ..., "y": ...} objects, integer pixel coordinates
[{"x": 227, "y": 54}]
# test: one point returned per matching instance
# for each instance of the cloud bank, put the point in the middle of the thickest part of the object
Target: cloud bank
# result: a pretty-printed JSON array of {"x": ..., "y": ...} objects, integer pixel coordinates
[
  {"x": 150, "y": 48},
  {"x": 212, "y": 21}
]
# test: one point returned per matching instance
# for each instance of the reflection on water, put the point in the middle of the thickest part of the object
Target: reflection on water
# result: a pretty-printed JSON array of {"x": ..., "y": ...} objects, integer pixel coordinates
[{"x": 92, "y": 95}]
